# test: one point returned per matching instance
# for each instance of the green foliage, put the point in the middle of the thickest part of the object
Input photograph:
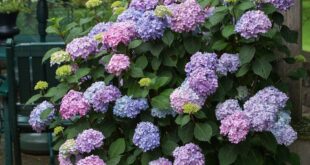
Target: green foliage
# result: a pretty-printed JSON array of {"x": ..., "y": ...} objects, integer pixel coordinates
[{"x": 11, "y": 6}]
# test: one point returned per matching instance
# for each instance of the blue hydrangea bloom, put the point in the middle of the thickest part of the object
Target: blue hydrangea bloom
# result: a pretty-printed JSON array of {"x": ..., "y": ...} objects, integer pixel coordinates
[
  {"x": 146, "y": 136},
  {"x": 284, "y": 133},
  {"x": 128, "y": 107},
  {"x": 227, "y": 108},
  {"x": 130, "y": 14},
  {"x": 201, "y": 60},
  {"x": 99, "y": 28},
  {"x": 35, "y": 120},
  {"x": 143, "y": 5},
  {"x": 90, "y": 91},
  {"x": 150, "y": 27},
  {"x": 155, "y": 112},
  {"x": 284, "y": 117}
]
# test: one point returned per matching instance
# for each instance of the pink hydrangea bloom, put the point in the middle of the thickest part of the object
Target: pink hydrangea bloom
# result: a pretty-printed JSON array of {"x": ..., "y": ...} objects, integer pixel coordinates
[
  {"x": 72, "y": 104},
  {"x": 118, "y": 64},
  {"x": 119, "y": 33},
  {"x": 91, "y": 160},
  {"x": 235, "y": 126}
]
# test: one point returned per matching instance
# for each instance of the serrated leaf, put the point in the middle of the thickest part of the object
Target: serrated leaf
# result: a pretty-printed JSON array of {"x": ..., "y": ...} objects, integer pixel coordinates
[
  {"x": 182, "y": 120},
  {"x": 228, "y": 31},
  {"x": 168, "y": 37},
  {"x": 136, "y": 72},
  {"x": 135, "y": 43},
  {"x": 141, "y": 62},
  {"x": 45, "y": 113},
  {"x": 117, "y": 148},
  {"x": 243, "y": 70},
  {"x": 228, "y": 155},
  {"x": 203, "y": 131},
  {"x": 162, "y": 101},
  {"x": 262, "y": 68},
  {"x": 219, "y": 45},
  {"x": 168, "y": 146},
  {"x": 246, "y": 54},
  {"x": 33, "y": 99},
  {"x": 156, "y": 49},
  {"x": 192, "y": 44},
  {"x": 186, "y": 132},
  {"x": 114, "y": 160}
]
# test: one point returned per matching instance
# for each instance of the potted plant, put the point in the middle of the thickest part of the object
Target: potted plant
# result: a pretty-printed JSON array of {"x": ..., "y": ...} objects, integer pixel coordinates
[{"x": 9, "y": 10}]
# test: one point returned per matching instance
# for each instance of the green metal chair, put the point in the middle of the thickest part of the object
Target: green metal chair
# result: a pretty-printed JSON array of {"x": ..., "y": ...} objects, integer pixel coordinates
[{"x": 24, "y": 69}]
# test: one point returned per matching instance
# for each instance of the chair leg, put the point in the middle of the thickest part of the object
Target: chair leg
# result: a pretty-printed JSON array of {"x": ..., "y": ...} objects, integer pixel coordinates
[
  {"x": 16, "y": 142},
  {"x": 7, "y": 136},
  {"x": 51, "y": 151}
]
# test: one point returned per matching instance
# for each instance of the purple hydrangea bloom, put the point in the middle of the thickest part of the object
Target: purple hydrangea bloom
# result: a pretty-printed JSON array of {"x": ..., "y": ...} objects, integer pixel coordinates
[
  {"x": 284, "y": 133},
  {"x": 119, "y": 33},
  {"x": 228, "y": 63},
  {"x": 35, "y": 120},
  {"x": 146, "y": 136},
  {"x": 188, "y": 154},
  {"x": 128, "y": 107},
  {"x": 186, "y": 16},
  {"x": 104, "y": 96},
  {"x": 252, "y": 23},
  {"x": 201, "y": 60},
  {"x": 143, "y": 5},
  {"x": 81, "y": 48},
  {"x": 99, "y": 28},
  {"x": 155, "y": 112},
  {"x": 203, "y": 81},
  {"x": 72, "y": 104},
  {"x": 89, "y": 140},
  {"x": 160, "y": 161},
  {"x": 269, "y": 95},
  {"x": 150, "y": 27},
  {"x": 64, "y": 160},
  {"x": 282, "y": 5},
  {"x": 90, "y": 91},
  {"x": 235, "y": 126},
  {"x": 262, "y": 116},
  {"x": 130, "y": 14},
  {"x": 169, "y": 2},
  {"x": 227, "y": 108},
  {"x": 91, "y": 160},
  {"x": 117, "y": 64},
  {"x": 183, "y": 95}
]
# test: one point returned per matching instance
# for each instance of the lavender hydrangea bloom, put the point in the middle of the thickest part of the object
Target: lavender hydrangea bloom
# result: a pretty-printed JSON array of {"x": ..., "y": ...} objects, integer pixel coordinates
[
  {"x": 146, "y": 136},
  {"x": 155, "y": 112},
  {"x": 91, "y": 160},
  {"x": 227, "y": 108},
  {"x": 150, "y": 27},
  {"x": 128, "y": 107},
  {"x": 188, "y": 154},
  {"x": 104, "y": 96},
  {"x": 89, "y": 140},
  {"x": 284, "y": 133},
  {"x": 72, "y": 104},
  {"x": 130, "y": 14},
  {"x": 90, "y": 91},
  {"x": 228, "y": 63},
  {"x": 35, "y": 120},
  {"x": 262, "y": 116},
  {"x": 99, "y": 28},
  {"x": 143, "y": 5},
  {"x": 252, "y": 23},
  {"x": 186, "y": 16},
  {"x": 235, "y": 126},
  {"x": 282, "y": 5},
  {"x": 183, "y": 95},
  {"x": 64, "y": 160},
  {"x": 81, "y": 48},
  {"x": 160, "y": 161},
  {"x": 201, "y": 60},
  {"x": 203, "y": 81}
]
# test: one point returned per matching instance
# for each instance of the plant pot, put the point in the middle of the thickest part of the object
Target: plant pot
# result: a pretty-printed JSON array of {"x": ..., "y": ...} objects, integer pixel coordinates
[{"x": 8, "y": 28}]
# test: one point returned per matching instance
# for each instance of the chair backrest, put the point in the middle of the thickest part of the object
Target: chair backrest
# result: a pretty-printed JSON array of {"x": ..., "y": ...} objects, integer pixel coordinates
[{"x": 26, "y": 68}]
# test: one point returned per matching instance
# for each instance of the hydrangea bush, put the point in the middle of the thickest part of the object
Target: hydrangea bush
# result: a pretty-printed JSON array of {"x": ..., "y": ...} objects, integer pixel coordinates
[{"x": 174, "y": 82}]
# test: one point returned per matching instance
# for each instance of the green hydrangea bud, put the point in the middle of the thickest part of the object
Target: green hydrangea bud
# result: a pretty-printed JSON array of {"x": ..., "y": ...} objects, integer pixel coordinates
[
  {"x": 59, "y": 57},
  {"x": 162, "y": 11},
  {"x": 145, "y": 82},
  {"x": 58, "y": 130},
  {"x": 191, "y": 108},
  {"x": 93, "y": 3},
  {"x": 64, "y": 70},
  {"x": 41, "y": 85}
]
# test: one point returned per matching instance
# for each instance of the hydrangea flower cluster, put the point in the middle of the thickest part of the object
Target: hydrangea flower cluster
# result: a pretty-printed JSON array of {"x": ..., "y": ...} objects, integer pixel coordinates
[
  {"x": 252, "y": 23},
  {"x": 262, "y": 112},
  {"x": 99, "y": 28},
  {"x": 90, "y": 91},
  {"x": 146, "y": 136},
  {"x": 188, "y": 154},
  {"x": 72, "y": 104},
  {"x": 201, "y": 61},
  {"x": 91, "y": 160},
  {"x": 186, "y": 16},
  {"x": 117, "y": 64},
  {"x": 35, "y": 120},
  {"x": 282, "y": 5},
  {"x": 64, "y": 160},
  {"x": 89, "y": 140},
  {"x": 228, "y": 63},
  {"x": 160, "y": 161},
  {"x": 59, "y": 57},
  {"x": 119, "y": 32},
  {"x": 203, "y": 81},
  {"x": 68, "y": 148},
  {"x": 143, "y": 5},
  {"x": 126, "y": 106},
  {"x": 81, "y": 48},
  {"x": 41, "y": 85},
  {"x": 130, "y": 14},
  {"x": 151, "y": 27},
  {"x": 155, "y": 112}
]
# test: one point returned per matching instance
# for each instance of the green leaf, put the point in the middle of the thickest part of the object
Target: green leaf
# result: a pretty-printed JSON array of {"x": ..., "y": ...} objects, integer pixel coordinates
[
  {"x": 217, "y": 17},
  {"x": 48, "y": 54},
  {"x": 57, "y": 92},
  {"x": 168, "y": 37},
  {"x": 117, "y": 148},
  {"x": 81, "y": 72},
  {"x": 243, "y": 70},
  {"x": 156, "y": 49},
  {"x": 132, "y": 158},
  {"x": 192, "y": 44},
  {"x": 219, "y": 45},
  {"x": 289, "y": 35},
  {"x": 299, "y": 73},
  {"x": 155, "y": 63},
  {"x": 45, "y": 113},
  {"x": 246, "y": 54},
  {"x": 246, "y": 5},
  {"x": 269, "y": 142},
  {"x": 182, "y": 120},
  {"x": 186, "y": 132},
  {"x": 162, "y": 101},
  {"x": 52, "y": 30},
  {"x": 86, "y": 20},
  {"x": 136, "y": 72},
  {"x": 294, "y": 159},
  {"x": 203, "y": 131},
  {"x": 33, "y": 99},
  {"x": 168, "y": 146},
  {"x": 204, "y": 3},
  {"x": 141, "y": 62},
  {"x": 228, "y": 31},
  {"x": 262, "y": 68},
  {"x": 114, "y": 160},
  {"x": 268, "y": 8},
  {"x": 161, "y": 81},
  {"x": 228, "y": 154},
  {"x": 170, "y": 60},
  {"x": 135, "y": 43}
]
